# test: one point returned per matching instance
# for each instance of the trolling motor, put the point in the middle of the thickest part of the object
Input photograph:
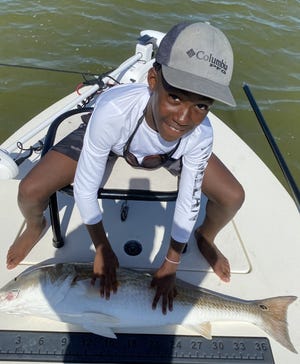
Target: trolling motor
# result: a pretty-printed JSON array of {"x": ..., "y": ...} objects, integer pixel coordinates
[{"x": 8, "y": 167}]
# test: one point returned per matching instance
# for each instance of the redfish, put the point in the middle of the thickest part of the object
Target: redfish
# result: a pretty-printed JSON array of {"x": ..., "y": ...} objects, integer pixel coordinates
[{"x": 64, "y": 292}]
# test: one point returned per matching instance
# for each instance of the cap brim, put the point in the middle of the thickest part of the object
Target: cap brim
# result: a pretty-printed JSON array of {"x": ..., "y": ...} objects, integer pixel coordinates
[{"x": 198, "y": 85}]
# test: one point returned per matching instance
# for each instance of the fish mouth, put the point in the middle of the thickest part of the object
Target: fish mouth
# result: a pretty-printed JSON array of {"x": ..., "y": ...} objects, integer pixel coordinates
[{"x": 9, "y": 295}]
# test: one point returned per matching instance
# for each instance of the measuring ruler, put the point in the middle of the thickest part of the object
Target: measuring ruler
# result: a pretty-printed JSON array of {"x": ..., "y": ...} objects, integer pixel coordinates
[{"x": 78, "y": 347}]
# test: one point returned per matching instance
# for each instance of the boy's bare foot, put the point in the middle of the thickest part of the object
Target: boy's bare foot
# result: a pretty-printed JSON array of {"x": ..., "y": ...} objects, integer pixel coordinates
[
  {"x": 214, "y": 257},
  {"x": 23, "y": 245}
]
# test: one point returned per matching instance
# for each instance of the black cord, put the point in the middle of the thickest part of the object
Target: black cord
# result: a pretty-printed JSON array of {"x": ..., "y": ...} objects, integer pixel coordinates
[
  {"x": 46, "y": 69},
  {"x": 38, "y": 148}
]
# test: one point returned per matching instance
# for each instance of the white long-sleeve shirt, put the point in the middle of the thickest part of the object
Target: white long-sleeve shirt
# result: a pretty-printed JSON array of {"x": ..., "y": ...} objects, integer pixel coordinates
[{"x": 113, "y": 121}]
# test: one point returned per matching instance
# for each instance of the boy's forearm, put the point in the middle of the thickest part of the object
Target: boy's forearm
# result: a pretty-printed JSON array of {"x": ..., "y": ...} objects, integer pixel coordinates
[
  {"x": 174, "y": 252},
  {"x": 98, "y": 234}
]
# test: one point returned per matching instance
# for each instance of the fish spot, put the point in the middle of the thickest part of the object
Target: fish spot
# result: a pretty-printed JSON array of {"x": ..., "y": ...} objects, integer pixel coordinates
[{"x": 264, "y": 307}]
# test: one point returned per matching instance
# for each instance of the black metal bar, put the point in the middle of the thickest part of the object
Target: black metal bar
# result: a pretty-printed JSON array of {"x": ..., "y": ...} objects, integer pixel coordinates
[
  {"x": 51, "y": 133},
  {"x": 282, "y": 163},
  {"x": 58, "y": 240},
  {"x": 131, "y": 194}
]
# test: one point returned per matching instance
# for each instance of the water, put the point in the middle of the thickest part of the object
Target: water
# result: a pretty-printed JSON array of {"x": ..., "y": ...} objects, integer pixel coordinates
[{"x": 95, "y": 36}]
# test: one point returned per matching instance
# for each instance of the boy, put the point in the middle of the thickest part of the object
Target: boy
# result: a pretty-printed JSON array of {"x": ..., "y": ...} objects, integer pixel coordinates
[{"x": 162, "y": 124}]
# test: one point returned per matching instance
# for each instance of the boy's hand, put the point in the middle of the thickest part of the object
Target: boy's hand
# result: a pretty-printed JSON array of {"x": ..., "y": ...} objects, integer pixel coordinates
[
  {"x": 164, "y": 281},
  {"x": 164, "y": 278},
  {"x": 105, "y": 268}
]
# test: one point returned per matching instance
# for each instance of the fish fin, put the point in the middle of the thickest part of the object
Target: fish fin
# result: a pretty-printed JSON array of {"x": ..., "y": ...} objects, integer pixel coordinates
[
  {"x": 99, "y": 330},
  {"x": 100, "y": 318},
  {"x": 99, "y": 323},
  {"x": 274, "y": 319},
  {"x": 204, "y": 329}
]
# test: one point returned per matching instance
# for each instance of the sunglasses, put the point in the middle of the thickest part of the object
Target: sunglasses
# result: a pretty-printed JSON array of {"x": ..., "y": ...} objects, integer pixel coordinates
[{"x": 150, "y": 161}]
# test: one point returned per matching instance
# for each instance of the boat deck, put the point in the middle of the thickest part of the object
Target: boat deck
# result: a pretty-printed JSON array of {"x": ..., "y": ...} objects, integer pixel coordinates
[{"x": 262, "y": 242}]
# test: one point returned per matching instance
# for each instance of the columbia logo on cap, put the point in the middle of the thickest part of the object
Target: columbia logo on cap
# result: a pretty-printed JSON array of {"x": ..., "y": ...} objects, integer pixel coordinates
[{"x": 213, "y": 61}]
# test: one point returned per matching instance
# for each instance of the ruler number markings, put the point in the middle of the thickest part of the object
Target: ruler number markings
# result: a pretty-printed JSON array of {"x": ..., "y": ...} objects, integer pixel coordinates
[{"x": 86, "y": 347}]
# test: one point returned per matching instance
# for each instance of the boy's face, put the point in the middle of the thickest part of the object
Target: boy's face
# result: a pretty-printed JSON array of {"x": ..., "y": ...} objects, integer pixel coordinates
[{"x": 174, "y": 112}]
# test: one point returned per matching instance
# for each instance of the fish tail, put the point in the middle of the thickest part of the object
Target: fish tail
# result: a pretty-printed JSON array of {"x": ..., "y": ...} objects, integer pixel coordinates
[{"x": 274, "y": 319}]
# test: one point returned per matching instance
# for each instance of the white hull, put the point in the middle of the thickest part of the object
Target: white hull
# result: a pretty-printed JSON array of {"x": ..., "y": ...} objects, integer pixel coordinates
[{"x": 262, "y": 242}]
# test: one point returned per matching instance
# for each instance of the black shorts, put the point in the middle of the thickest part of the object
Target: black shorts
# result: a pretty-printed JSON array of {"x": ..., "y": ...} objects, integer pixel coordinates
[{"x": 71, "y": 146}]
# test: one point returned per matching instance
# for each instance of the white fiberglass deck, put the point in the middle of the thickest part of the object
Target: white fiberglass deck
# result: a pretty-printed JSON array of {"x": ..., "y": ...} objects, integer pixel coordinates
[{"x": 262, "y": 242}]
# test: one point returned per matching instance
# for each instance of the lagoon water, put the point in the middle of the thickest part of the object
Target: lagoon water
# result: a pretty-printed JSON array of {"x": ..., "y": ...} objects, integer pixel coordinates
[{"x": 95, "y": 36}]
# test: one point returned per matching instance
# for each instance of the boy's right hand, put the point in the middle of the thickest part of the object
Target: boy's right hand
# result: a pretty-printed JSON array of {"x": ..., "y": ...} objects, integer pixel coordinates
[{"x": 105, "y": 268}]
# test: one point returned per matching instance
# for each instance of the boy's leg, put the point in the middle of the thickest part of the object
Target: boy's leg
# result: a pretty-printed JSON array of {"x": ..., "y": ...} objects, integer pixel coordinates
[
  {"x": 225, "y": 197},
  {"x": 54, "y": 171}
]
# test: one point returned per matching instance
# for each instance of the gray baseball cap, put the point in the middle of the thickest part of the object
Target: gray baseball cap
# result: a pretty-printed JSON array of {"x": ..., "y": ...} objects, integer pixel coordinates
[{"x": 197, "y": 57}]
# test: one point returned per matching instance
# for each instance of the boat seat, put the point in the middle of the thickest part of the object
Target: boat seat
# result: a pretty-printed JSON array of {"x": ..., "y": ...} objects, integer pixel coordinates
[{"x": 143, "y": 185}]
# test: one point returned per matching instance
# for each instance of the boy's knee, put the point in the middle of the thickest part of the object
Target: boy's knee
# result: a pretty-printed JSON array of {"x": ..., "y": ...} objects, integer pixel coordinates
[
  {"x": 236, "y": 197},
  {"x": 29, "y": 190},
  {"x": 230, "y": 199}
]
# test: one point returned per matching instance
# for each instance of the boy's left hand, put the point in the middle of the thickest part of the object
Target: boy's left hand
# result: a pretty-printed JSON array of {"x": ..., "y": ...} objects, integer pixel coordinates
[{"x": 164, "y": 281}]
